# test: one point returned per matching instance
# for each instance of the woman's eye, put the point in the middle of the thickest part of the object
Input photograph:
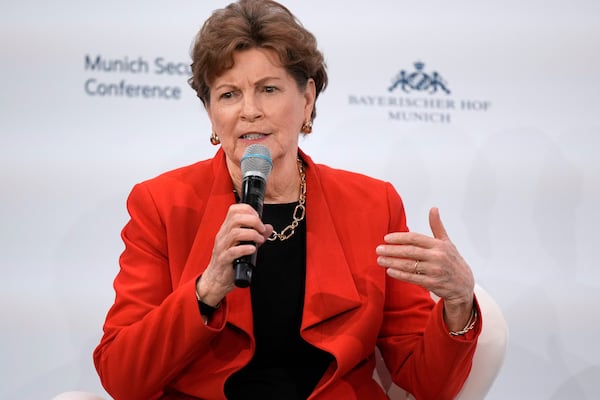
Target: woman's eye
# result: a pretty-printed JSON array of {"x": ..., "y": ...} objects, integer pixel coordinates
[
  {"x": 270, "y": 89},
  {"x": 226, "y": 95}
]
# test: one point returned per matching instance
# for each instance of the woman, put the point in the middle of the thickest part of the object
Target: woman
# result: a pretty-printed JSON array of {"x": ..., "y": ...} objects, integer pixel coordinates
[{"x": 337, "y": 271}]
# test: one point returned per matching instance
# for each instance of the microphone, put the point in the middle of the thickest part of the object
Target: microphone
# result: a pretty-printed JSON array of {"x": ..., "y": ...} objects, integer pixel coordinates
[{"x": 256, "y": 167}]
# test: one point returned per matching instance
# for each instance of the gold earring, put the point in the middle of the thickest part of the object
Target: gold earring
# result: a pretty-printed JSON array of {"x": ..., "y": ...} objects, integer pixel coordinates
[
  {"x": 214, "y": 138},
  {"x": 306, "y": 127}
]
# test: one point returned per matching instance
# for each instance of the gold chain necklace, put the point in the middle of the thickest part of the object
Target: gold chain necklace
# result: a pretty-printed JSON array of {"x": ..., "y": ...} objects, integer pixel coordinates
[{"x": 299, "y": 211}]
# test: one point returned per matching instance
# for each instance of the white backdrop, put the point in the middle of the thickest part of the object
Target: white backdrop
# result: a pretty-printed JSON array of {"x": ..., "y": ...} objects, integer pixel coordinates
[{"x": 509, "y": 156}]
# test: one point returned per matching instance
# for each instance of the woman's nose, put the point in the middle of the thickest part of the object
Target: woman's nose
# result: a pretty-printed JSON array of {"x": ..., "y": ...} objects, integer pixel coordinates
[{"x": 251, "y": 109}]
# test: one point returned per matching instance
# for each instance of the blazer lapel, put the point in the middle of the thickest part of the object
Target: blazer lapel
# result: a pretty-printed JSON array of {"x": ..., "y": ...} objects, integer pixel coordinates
[{"x": 330, "y": 288}]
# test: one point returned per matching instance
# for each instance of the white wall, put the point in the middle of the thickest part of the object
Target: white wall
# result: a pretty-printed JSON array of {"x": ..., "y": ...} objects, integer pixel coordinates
[{"x": 517, "y": 181}]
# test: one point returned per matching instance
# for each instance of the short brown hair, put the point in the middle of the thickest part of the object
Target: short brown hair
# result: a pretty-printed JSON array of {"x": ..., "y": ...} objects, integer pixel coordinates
[{"x": 248, "y": 24}]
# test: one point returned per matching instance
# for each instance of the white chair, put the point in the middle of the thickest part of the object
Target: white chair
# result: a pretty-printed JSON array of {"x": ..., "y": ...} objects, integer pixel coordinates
[{"x": 487, "y": 360}]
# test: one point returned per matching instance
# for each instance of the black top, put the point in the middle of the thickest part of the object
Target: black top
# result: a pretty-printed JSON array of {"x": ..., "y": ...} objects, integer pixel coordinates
[{"x": 284, "y": 366}]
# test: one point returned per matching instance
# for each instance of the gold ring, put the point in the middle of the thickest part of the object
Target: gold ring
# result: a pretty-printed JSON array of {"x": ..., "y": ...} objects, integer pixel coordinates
[{"x": 415, "y": 271}]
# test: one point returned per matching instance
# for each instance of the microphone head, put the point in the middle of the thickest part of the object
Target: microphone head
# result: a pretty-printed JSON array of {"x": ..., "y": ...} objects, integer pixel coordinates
[{"x": 257, "y": 161}]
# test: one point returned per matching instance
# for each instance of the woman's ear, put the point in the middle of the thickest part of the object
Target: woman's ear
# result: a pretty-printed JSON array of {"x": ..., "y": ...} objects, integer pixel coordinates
[{"x": 310, "y": 94}]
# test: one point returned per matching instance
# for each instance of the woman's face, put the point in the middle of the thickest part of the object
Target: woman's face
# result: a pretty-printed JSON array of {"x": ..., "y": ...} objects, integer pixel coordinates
[{"x": 257, "y": 101}]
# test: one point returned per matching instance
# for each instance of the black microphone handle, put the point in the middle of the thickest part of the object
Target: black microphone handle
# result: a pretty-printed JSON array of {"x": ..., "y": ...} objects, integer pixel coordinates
[
  {"x": 242, "y": 269},
  {"x": 253, "y": 193}
]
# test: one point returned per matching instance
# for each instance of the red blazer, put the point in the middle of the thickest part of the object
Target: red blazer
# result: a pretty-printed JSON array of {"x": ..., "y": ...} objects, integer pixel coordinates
[{"x": 156, "y": 346}]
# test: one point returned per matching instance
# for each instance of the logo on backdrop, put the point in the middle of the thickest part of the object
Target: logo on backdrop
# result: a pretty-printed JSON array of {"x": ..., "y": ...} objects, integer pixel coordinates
[
  {"x": 134, "y": 77},
  {"x": 419, "y": 95},
  {"x": 419, "y": 81}
]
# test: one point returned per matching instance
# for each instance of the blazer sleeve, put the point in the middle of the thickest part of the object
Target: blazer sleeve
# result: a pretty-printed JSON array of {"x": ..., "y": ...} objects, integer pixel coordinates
[
  {"x": 422, "y": 357},
  {"x": 152, "y": 331}
]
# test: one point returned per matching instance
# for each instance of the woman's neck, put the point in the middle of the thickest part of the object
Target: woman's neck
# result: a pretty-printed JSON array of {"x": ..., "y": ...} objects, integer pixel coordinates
[{"x": 283, "y": 184}]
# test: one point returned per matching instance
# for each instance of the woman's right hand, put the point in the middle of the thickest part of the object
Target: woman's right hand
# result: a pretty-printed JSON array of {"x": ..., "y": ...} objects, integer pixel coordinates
[{"x": 242, "y": 224}]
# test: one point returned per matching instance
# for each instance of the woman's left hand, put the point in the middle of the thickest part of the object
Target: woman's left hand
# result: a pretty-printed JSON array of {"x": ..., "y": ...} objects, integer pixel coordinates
[{"x": 434, "y": 263}]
